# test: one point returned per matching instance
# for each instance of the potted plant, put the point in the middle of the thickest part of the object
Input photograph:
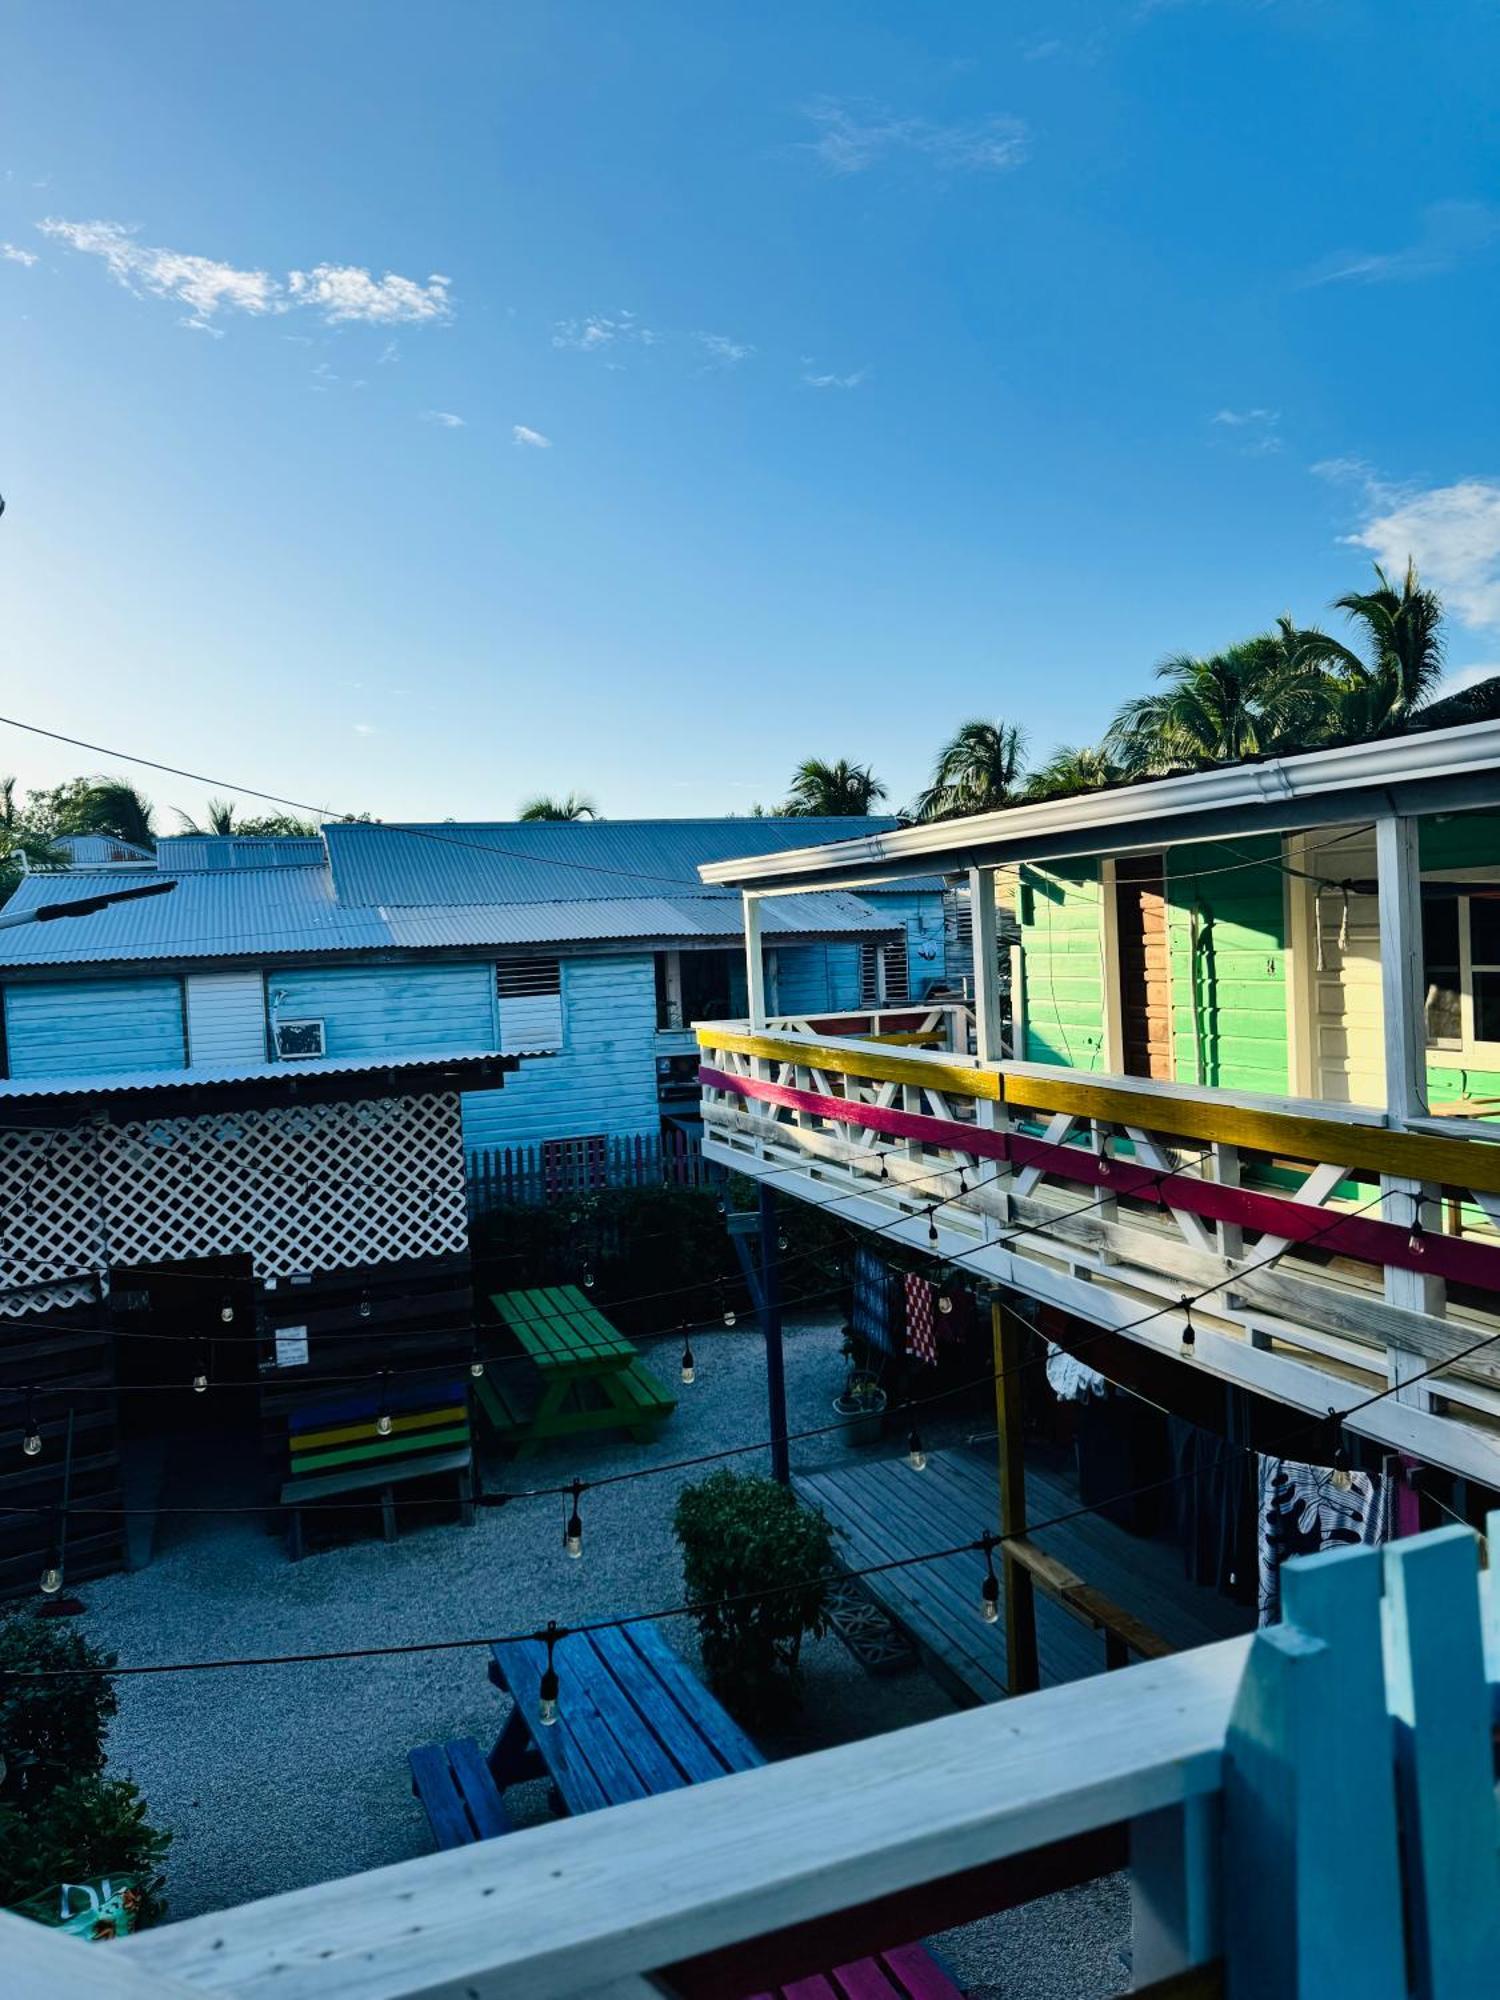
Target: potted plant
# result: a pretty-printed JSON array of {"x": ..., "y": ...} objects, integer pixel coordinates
[
  {"x": 862, "y": 1400},
  {"x": 756, "y": 1565}
]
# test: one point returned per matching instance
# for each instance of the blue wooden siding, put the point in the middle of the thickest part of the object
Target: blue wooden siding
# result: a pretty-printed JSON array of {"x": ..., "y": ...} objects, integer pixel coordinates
[
  {"x": 920, "y": 914},
  {"x": 372, "y": 1010},
  {"x": 604, "y": 1080},
  {"x": 817, "y": 978},
  {"x": 83, "y": 1027}
]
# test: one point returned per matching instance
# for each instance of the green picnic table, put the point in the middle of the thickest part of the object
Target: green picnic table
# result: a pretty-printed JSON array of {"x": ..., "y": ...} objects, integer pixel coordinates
[{"x": 589, "y": 1377}]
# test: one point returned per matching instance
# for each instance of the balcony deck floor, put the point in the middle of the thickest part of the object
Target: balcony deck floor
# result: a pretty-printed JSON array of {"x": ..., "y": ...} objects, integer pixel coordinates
[{"x": 884, "y": 1510}]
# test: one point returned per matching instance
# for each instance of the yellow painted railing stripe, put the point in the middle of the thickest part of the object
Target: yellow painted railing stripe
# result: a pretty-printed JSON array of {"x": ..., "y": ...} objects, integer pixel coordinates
[
  {"x": 1420, "y": 1156},
  {"x": 856, "y": 1059}
]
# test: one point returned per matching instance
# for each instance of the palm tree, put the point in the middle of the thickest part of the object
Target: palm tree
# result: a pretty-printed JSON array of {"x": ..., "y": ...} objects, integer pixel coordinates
[
  {"x": 573, "y": 805},
  {"x": 1403, "y": 632},
  {"x": 21, "y": 845},
  {"x": 832, "y": 791},
  {"x": 978, "y": 770},
  {"x": 109, "y": 805},
  {"x": 1263, "y": 694},
  {"x": 218, "y": 819},
  {"x": 1070, "y": 769}
]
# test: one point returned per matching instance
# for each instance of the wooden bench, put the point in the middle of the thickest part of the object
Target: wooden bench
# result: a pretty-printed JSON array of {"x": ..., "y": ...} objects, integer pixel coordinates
[
  {"x": 336, "y": 1450},
  {"x": 460, "y": 1798}
]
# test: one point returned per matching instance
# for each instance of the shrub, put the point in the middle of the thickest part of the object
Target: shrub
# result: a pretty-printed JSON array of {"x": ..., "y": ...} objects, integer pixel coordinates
[
  {"x": 61, "y": 1819},
  {"x": 739, "y": 1535},
  {"x": 50, "y": 1730}
]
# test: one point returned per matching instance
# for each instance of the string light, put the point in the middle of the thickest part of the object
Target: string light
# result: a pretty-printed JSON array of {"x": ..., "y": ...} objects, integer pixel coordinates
[
  {"x": 1343, "y": 1477},
  {"x": 51, "y": 1579},
  {"x": 689, "y": 1366},
  {"x": 725, "y": 1308},
  {"x": 1189, "y": 1331},
  {"x": 588, "y": 1277},
  {"x": 989, "y": 1590},
  {"x": 31, "y": 1440},
  {"x": 476, "y": 1364},
  {"x": 226, "y": 1310},
  {"x": 364, "y": 1305},
  {"x": 200, "y": 1379},
  {"x": 916, "y": 1451},
  {"x": 932, "y": 1228},
  {"x": 383, "y": 1419},
  {"x": 781, "y": 1239},
  {"x": 573, "y": 1531},
  {"x": 1416, "y": 1242},
  {"x": 547, "y": 1690}
]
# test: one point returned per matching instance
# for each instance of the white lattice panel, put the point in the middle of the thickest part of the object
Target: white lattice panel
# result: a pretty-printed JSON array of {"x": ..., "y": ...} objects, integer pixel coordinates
[{"x": 296, "y": 1187}]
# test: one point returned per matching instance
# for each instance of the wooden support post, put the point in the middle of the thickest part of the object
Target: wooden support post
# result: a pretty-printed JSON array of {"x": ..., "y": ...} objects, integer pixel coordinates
[
  {"x": 770, "y": 1325},
  {"x": 1022, "y": 1666},
  {"x": 988, "y": 1045},
  {"x": 1402, "y": 993},
  {"x": 755, "y": 963}
]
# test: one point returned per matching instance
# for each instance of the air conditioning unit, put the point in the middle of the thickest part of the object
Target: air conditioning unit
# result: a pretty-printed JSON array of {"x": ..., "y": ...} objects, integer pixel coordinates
[{"x": 296, "y": 1040}]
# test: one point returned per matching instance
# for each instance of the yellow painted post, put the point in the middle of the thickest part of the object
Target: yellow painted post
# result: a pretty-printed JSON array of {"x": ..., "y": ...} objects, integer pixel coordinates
[{"x": 1022, "y": 1666}]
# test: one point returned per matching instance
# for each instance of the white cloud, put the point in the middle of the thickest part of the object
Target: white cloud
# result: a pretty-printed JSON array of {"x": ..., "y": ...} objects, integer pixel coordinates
[
  {"x": 597, "y": 330},
  {"x": 344, "y": 292},
  {"x": 14, "y": 254},
  {"x": 860, "y": 375},
  {"x": 1237, "y": 419},
  {"x": 365, "y": 729},
  {"x": 524, "y": 434},
  {"x": 445, "y": 418},
  {"x": 854, "y": 135},
  {"x": 722, "y": 351},
  {"x": 1451, "y": 232},
  {"x": 1255, "y": 430},
  {"x": 339, "y": 293},
  {"x": 1452, "y": 533}
]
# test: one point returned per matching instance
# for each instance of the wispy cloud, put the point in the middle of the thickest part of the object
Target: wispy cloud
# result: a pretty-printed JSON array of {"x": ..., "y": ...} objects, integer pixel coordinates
[
  {"x": 444, "y": 418},
  {"x": 1451, "y": 233},
  {"x": 14, "y": 254},
  {"x": 1237, "y": 419},
  {"x": 855, "y": 135},
  {"x": 852, "y": 381},
  {"x": 524, "y": 434},
  {"x": 722, "y": 351},
  {"x": 1452, "y": 533},
  {"x": 1254, "y": 429},
  {"x": 338, "y": 293},
  {"x": 599, "y": 330},
  {"x": 365, "y": 729}
]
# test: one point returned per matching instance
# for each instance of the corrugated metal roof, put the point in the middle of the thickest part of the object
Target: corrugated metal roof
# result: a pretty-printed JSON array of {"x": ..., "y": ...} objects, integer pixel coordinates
[
  {"x": 87, "y": 850},
  {"x": 548, "y": 861},
  {"x": 211, "y": 915},
  {"x": 218, "y": 912},
  {"x": 125, "y": 1082},
  {"x": 180, "y": 852}
]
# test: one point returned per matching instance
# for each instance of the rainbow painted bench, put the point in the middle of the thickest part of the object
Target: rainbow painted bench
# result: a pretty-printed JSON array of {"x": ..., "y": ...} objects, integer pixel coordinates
[{"x": 338, "y": 1452}]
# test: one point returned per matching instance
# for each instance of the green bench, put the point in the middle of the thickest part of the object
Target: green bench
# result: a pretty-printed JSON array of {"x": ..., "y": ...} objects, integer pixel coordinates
[
  {"x": 588, "y": 1375},
  {"x": 337, "y": 1451}
]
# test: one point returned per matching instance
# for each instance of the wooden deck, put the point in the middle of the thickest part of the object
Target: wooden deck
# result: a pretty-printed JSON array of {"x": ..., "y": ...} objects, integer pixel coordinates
[{"x": 882, "y": 1509}]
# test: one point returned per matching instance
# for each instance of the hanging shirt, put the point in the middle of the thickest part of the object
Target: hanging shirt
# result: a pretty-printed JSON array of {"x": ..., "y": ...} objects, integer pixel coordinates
[
  {"x": 1072, "y": 1380},
  {"x": 872, "y": 1311},
  {"x": 1304, "y": 1509},
  {"x": 921, "y": 1317}
]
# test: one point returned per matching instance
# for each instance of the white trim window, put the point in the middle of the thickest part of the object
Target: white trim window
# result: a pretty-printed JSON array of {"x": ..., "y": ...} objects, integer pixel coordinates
[
  {"x": 1461, "y": 967},
  {"x": 528, "y": 992}
]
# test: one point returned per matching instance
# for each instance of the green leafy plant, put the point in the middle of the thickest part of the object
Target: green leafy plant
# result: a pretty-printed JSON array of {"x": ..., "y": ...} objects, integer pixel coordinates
[
  {"x": 51, "y": 1729},
  {"x": 61, "y": 1819},
  {"x": 756, "y": 1563}
]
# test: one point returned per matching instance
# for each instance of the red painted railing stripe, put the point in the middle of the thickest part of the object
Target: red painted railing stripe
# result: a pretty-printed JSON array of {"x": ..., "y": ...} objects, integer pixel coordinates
[{"x": 1362, "y": 1237}]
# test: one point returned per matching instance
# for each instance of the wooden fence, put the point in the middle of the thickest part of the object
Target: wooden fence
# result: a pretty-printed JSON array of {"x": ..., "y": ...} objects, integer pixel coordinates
[{"x": 531, "y": 1176}]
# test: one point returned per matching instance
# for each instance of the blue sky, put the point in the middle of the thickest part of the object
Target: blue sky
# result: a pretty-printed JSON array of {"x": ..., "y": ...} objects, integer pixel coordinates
[{"x": 411, "y": 408}]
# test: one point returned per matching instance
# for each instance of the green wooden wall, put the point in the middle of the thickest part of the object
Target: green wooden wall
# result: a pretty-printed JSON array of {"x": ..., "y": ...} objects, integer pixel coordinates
[
  {"x": 1236, "y": 1034},
  {"x": 1064, "y": 972}
]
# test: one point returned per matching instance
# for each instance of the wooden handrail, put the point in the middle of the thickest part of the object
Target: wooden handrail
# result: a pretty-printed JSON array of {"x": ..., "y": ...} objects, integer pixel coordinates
[{"x": 1303, "y": 1135}]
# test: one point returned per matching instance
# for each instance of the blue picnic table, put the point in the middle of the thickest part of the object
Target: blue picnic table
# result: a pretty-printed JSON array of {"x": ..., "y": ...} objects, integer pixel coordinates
[{"x": 633, "y": 1720}]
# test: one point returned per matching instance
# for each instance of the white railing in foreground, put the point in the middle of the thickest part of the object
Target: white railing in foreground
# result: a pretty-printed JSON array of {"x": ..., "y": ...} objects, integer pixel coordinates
[{"x": 1305, "y": 1806}]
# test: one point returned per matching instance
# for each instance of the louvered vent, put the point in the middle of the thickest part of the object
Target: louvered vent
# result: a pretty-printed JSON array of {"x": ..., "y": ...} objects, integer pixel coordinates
[{"x": 530, "y": 995}]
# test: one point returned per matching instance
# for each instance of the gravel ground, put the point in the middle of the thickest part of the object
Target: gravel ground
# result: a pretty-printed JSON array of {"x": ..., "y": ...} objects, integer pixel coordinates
[{"x": 279, "y": 1777}]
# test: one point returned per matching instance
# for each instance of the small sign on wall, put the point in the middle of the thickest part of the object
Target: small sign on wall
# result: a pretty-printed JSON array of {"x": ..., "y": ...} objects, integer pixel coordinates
[{"x": 291, "y": 1347}]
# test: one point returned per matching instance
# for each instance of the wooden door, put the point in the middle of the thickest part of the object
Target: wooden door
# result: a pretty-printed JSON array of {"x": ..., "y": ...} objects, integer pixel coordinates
[{"x": 1145, "y": 1002}]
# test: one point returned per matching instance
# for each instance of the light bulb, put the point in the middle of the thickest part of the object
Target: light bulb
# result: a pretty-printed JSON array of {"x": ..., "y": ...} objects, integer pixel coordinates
[
  {"x": 573, "y": 1537},
  {"x": 383, "y": 1425},
  {"x": 945, "y": 1303},
  {"x": 364, "y": 1305},
  {"x": 932, "y": 1230},
  {"x": 546, "y": 1708},
  {"x": 689, "y": 1366},
  {"x": 1343, "y": 1478},
  {"x": 781, "y": 1242},
  {"x": 31, "y": 1444},
  {"x": 729, "y": 1316},
  {"x": 1189, "y": 1331},
  {"x": 916, "y": 1456},
  {"x": 588, "y": 1277},
  {"x": 989, "y": 1599},
  {"x": 51, "y": 1580},
  {"x": 1417, "y": 1241},
  {"x": 226, "y": 1310},
  {"x": 200, "y": 1384},
  {"x": 476, "y": 1367}
]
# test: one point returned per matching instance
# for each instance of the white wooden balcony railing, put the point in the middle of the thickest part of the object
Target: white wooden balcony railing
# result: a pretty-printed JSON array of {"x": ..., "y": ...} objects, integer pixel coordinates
[
  {"x": 1344, "y": 1254},
  {"x": 1305, "y": 1812}
]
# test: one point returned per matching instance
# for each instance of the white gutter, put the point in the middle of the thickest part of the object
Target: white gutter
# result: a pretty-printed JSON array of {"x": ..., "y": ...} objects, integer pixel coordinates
[{"x": 1471, "y": 749}]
